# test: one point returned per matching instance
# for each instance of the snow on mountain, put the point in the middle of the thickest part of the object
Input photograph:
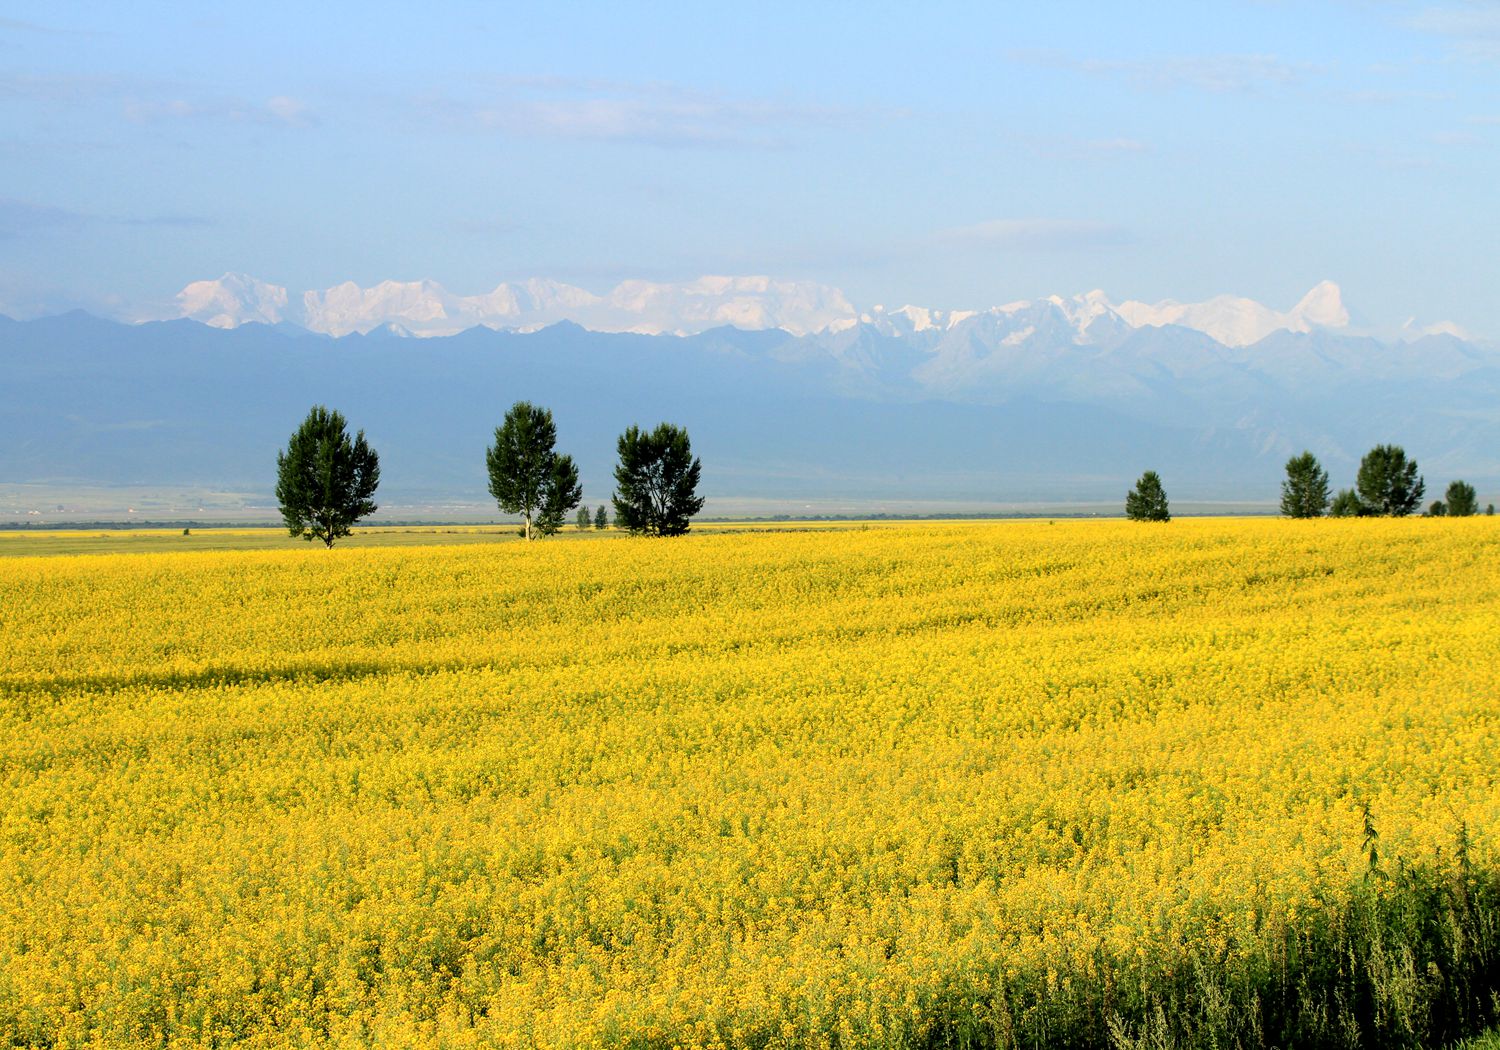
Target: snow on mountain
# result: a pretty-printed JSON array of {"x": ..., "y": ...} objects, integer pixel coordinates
[
  {"x": 798, "y": 307},
  {"x": 233, "y": 300},
  {"x": 419, "y": 307},
  {"x": 426, "y": 308},
  {"x": 1092, "y": 319},
  {"x": 1235, "y": 321},
  {"x": 1322, "y": 307},
  {"x": 908, "y": 320}
]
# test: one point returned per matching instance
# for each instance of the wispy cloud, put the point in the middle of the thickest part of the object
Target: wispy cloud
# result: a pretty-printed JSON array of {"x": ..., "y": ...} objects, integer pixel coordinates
[
  {"x": 168, "y": 222},
  {"x": 290, "y": 110},
  {"x": 1040, "y": 234},
  {"x": 17, "y": 25},
  {"x": 977, "y": 242},
  {"x": 482, "y": 227},
  {"x": 1218, "y": 74},
  {"x": 649, "y": 113},
  {"x": 23, "y": 218},
  {"x": 1472, "y": 29},
  {"x": 1385, "y": 97},
  {"x": 20, "y": 218},
  {"x": 54, "y": 89},
  {"x": 1455, "y": 138},
  {"x": 1386, "y": 156},
  {"x": 145, "y": 100},
  {"x": 280, "y": 109},
  {"x": 1065, "y": 148}
]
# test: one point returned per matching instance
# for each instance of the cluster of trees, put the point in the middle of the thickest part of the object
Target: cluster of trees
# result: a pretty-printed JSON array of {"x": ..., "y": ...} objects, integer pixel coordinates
[
  {"x": 325, "y": 481},
  {"x": 599, "y": 519},
  {"x": 1387, "y": 484}
]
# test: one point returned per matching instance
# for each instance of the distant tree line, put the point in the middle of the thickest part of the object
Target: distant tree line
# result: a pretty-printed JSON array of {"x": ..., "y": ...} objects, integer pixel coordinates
[
  {"x": 1387, "y": 485},
  {"x": 325, "y": 481}
]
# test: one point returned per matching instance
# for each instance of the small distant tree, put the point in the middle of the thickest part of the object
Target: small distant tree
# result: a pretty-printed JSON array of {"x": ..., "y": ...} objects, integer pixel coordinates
[
  {"x": 1304, "y": 493},
  {"x": 1461, "y": 499},
  {"x": 1388, "y": 482},
  {"x": 527, "y": 476},
  {"x": 584, "y": 519},
  {"x": 656, "y": 481},
  {"x": 1148, "y": 500},
  {"x": 1489, "y": 511},
  {"x": 325, "y": 481},
  {"x": 601, "y": 518},
  {"x": 1437, "y": 509}
]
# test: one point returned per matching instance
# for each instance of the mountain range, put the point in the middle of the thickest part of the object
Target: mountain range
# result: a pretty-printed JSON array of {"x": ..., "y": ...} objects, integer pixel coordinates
[
  {"x": 426, "y": 308},
  {"x": 804, "y": 401}
]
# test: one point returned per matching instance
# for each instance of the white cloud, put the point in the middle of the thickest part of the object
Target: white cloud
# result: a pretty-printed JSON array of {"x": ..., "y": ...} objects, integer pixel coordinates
[{"x": 289, "y": 110}]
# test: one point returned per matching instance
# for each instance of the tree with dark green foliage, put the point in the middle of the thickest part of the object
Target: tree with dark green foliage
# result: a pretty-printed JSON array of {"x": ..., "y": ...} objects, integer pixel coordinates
[
  {"x": 1437, "y": 509},
  {"x": 325, "y": 481},
  {"x": 601, "y": 518},
  {"x": 1489, "y": 511},
  {"x": 1148, "y": 500},
  {"x": 1462, "y": 501},
  {"x": 656, "y": 481},
  {"x": 584, "y": 519},
  {"x": 1388, "y": 482},
  {"x": 1304, "y": 493},
  {"x": 1347, "y": 504},
  {"x": 527, "y": 476}
]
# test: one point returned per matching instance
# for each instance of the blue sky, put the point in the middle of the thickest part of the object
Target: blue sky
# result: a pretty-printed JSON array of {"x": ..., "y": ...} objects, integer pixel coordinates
[{"x": 955, "y": 156}]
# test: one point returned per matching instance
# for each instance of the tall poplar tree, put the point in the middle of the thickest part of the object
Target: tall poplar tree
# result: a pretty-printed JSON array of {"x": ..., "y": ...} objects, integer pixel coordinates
[{"x": 527, "y": 475}]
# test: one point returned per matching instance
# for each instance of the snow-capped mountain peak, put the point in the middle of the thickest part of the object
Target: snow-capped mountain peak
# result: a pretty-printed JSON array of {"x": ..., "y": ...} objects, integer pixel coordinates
[
  {"x": 1235, "y": 321},
  {"x": 908, "y": 320},
  {"x": 426, "y": 308},
  {"x": 233, "y": 300},
  {"x": 1322, "y": 307}
]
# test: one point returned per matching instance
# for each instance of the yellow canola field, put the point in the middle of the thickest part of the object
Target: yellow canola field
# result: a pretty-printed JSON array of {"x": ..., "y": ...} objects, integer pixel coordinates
[{"x": 864, "y": 787}]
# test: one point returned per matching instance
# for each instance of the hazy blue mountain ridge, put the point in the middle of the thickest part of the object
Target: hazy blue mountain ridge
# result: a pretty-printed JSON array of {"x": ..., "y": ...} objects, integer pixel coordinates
[{"x": 994, "y": 407}]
